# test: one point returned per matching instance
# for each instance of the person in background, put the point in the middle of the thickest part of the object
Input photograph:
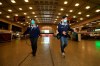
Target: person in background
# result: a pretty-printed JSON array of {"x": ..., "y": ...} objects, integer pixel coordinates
[
  {"x": 34, "y": 33},
  {"x": 63, "y": 28}
]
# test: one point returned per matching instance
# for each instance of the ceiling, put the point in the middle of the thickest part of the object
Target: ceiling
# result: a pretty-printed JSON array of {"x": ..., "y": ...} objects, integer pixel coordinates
[{"x": 49, "y": 11}]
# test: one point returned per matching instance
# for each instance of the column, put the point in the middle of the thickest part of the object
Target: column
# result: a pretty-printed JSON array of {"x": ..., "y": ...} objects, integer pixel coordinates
[
  {"x": 79, "y": 34},
  {"x": 10, "y": 27}
]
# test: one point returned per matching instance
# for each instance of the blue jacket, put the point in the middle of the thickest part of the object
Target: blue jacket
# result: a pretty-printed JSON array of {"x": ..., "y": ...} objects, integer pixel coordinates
[
  {"x": 33, "y": 32},
  {"x": 65, "y": 28}
]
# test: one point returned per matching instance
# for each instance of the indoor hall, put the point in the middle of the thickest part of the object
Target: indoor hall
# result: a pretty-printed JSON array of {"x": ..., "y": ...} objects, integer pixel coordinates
[{"x": 17, "y": 16}]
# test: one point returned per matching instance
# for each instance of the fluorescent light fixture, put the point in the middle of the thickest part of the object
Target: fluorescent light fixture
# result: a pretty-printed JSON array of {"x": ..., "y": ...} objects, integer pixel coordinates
[
  {"x": 79, "y": 12},
  {"x": 61, "y": 9},
  {"x": 30, "y": 8},
  {"x": 9, "y": 10},
  {"x": 70, "y": 10},
  {"x": 8, "y": 16},
  {"x": 0, "y": 12},
  {"x": 20, "y": 8},
  {"x": 0, "y": 3},
  {"x": 26, "y": 0},
  {"x": 98, "y": 10},
  {"x": 65, "y": 2},
  {"x": 77, "y": 4},
  {"x": 87, "y": 7},
  {"x": 13, "y": 1}
]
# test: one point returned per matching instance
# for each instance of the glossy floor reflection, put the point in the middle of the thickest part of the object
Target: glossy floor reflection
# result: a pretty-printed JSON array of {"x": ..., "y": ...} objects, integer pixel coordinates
[{"x": 18, "y": 53}]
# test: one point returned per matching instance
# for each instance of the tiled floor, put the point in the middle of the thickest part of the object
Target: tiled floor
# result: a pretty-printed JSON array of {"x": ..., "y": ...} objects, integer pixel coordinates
[{"x": 18, "y": 53}]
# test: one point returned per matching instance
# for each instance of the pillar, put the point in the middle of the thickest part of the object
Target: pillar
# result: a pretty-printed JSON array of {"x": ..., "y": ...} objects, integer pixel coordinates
[{"x": 79, "y": 34}]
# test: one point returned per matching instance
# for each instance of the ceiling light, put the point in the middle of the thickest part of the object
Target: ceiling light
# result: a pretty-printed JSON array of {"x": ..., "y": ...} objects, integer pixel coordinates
[
  {"x": 0, "y": 12},
  {"x": 55, "y": 19},
  {"x": 0, "y": 3},
  {"x": 28, "y": 17},
  {"x": 21, "y": 23},
  {"x": 79, "y": 12},
  {"x": 9, "y": 10},
  {"x": 77, "y": 4},
  {"x": 17, "y": 22},
  {"x": 13, "y": 1},
  {"x": 66, "y": 14},
  {"x": 26, "y": 0},
  {"x": 61, "y": 9},
  {"x": 26, "y": 22},
  {"x": 20, "y": 8},
  {"x": 25, "y": 13},
  {"x": 87, "y": 24},
  {"x": 71, "y": 11},
  {"x": 30, "y": 8},
  {"x": 57, "y": 16},
  {"x": 81, "y": 18},
  {"x": 16, "y": 14},
  {"x": 87, "y": 15},
  {"x": 35, "y": 16},
  {"x": 65, "y": 2},
  {"x": 33, "y": 12},
  {"x": 59, "y": 13},
  {"x": 74, "y": 16},
  {"x": 8, "y": 16},
  {"x": 82, "y": 26},
  {"x": 87, "y": 7},
  {"x": 98, "y": 10},
  {"x": 70, "y": 24}
]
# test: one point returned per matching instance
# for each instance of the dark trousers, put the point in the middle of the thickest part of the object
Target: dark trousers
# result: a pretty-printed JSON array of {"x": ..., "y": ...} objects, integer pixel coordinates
[{"x": 34, "y": 45}]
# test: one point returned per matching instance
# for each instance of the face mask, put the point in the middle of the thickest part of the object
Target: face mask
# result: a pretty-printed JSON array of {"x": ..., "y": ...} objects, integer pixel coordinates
[{"x": 65, "y": 20}]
